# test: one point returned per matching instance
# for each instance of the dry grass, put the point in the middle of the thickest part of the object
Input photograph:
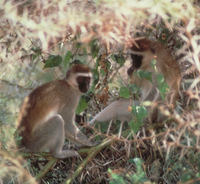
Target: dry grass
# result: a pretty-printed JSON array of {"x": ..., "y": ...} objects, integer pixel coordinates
[{"x": 30, "y": 31}]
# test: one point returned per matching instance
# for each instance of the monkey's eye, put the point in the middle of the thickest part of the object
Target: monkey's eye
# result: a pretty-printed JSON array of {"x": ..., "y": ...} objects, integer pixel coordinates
[
  {"x": 87, "y": 79},
  {"x": 80, "y": 79}
]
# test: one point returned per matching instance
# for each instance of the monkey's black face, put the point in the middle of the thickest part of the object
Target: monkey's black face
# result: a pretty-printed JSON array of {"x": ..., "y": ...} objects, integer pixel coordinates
[
  {"x": 136, "y": 63},
  {"x": 83, "y": 83}
]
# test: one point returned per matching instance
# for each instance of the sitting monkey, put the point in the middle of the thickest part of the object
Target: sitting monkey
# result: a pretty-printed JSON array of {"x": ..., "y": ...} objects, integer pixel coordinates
[
  {"x": 143, "y": 51},
  {"x": 48, "y": 112}
]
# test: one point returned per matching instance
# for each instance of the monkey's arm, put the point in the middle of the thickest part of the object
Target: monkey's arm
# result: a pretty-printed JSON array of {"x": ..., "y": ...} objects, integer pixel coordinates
[
  {"x": 73, "y": 134},
  {"x": 155, "y": 115},
  {"x": 116, "y": 110}
]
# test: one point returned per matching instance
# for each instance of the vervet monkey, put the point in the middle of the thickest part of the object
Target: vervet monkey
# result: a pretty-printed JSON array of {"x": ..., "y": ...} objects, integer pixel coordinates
[
  {"x": 143, "y": 51},
  {"x": 48, "y": 112}
]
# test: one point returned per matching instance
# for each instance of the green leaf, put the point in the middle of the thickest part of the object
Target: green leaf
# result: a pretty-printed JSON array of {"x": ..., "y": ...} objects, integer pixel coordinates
[
  {"x": 163, "y": 88},
  {"x": 133, "y": 88},
  {"x": 53, "y": 61},
  {"x": 138, "y": 112},
  {"x": 124, "y": 92},
  {"x": 118, "y": 59},
  {"x": 162, "y": 85},
  {"x": 94, "y": 48},
  {"x": 95, "y": 74},
  {"x": 35, "y": 56},
  {"x": 164, "y": 35},
  {"x": 67, "y": 58},
  {"x": 138, "y": 162},
  {"x": 101, "y": 126},
  {"x": 153, "y": 65},
  {"x": 37, "y": 51},
  {"x": 139, "y": 176},
  {"x": 108, "y": 65},
  {"x": 102, "y": 72},
  {"x": 134, "y": 125},
  {"x": 145, "y": 74},
  {"x": 160, "y": 78},
  {"x": 97, "y": 61},
  {"x": 88, "y": 96},
  {"x": 78, "y": 45},
  {"x": 116, "y": 178},
  {"x": 81, "y": 106}
]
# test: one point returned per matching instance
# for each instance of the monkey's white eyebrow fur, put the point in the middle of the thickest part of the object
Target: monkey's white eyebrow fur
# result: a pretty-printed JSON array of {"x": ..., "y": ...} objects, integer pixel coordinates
[
  {"x": 141, "y": 53},
  {"x": 83, "y": 74}
]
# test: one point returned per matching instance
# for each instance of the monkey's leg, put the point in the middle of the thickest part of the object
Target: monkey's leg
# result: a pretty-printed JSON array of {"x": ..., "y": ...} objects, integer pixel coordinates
[
  {"x": 116, "y": 110},
  {"x": 155, "y": 115},
  {"x": 51, "y": 137},
  {"x": 73, "y": 133}
]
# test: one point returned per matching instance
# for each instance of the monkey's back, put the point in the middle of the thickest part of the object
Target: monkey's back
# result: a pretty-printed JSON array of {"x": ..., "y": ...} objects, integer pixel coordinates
[
  {"x": 170, "y": 68},
  {"x": 42, "y": 104}
]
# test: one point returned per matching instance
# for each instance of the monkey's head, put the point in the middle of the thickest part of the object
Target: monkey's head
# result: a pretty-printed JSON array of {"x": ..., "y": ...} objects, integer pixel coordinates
[
  {"x": 79, "y": 77},
  {"x": 139, "y": 49}
]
